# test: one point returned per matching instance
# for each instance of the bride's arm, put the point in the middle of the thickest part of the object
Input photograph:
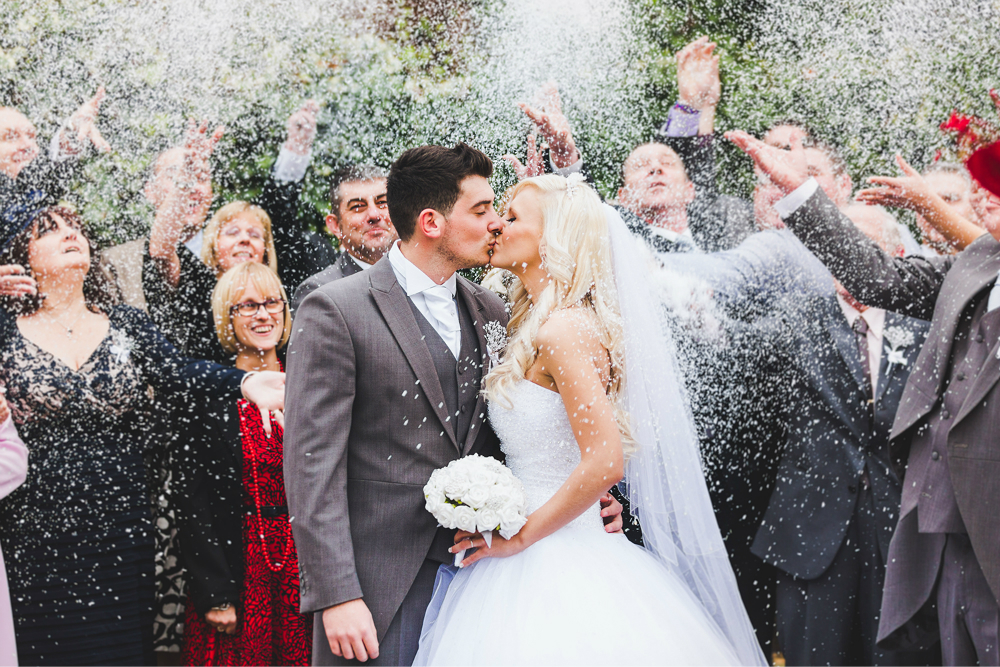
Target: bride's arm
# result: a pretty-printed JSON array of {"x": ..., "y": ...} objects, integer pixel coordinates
[{"x": 570, "y": 355}]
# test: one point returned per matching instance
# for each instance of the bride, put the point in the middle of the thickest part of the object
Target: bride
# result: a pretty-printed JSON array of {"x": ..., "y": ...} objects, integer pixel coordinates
[{"x": 587, "y": 393}]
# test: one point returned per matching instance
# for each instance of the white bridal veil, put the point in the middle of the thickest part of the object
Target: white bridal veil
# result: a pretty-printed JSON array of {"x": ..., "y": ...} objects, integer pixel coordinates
[{"x": 665, "y": 482}]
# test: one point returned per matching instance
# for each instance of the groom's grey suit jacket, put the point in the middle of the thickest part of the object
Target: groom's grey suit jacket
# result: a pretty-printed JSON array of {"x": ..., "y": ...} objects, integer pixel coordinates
[{"x": 366, "y": 425}]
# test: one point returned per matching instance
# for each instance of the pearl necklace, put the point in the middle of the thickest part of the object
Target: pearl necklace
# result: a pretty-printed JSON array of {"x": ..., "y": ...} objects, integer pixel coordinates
[{"x": 254, "y": 455}]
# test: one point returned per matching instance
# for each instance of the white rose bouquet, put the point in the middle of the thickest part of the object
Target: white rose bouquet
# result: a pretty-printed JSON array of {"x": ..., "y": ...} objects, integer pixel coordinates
[{"x": 477, "y": 494}]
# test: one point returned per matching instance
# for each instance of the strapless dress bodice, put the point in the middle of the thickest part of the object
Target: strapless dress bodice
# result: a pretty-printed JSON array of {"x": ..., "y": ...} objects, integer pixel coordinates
[{"x": 537, "y": 439}]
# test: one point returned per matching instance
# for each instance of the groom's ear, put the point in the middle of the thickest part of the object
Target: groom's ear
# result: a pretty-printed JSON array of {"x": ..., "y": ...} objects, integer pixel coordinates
[{"x": 430, "y": 223}]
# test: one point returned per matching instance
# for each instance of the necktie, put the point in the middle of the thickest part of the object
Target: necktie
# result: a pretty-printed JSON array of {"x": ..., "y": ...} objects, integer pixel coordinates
[
  {"x": 861, "y": 333},
  {"x": 994, "y": 300},
  {"x": 441, "y": 304}
]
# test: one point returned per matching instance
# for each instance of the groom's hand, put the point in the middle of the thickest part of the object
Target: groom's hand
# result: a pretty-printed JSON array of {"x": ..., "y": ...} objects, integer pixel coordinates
[
  {"x": 351, "y": 631},
  {"x": 611, "y": 512}
]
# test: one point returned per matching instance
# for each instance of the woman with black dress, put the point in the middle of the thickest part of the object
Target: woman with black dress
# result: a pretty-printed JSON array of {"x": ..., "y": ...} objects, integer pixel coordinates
[
  {"x": 235, "y": 537},
  {"x": 77, "y": 534}
]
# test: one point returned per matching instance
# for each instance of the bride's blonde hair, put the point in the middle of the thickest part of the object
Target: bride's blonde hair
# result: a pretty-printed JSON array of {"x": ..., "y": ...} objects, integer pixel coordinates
[{"x": 577, "y": 256}]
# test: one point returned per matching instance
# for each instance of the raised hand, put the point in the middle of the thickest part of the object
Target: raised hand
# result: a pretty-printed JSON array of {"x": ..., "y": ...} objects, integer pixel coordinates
[
  {"x": 81, "y": 127},
  {"x": 14, "y": 282},
  {"x": 786, "y": 169},
  {"x": 199, "y": 144},
  {"x": 302, "y": 128},
  {"x": 909, "y": 191},
  {"x": 698, "y": 82},
  {"x": 533, "y": 164},
  {"x": 552, "y": 124}
]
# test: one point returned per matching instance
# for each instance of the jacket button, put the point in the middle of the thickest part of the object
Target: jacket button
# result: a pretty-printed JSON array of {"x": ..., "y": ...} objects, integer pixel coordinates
[
  {"x": 935, "y": 456},
  {"x": 960, "y": 376},
  {"x": 979, "y": 338},
  {"x": 945, "y": 414},
  {"x": 852, "y": 489}
]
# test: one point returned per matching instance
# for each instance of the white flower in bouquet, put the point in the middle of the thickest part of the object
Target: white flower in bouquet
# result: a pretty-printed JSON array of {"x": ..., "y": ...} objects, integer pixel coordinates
[{"x": 477, "y": 494}]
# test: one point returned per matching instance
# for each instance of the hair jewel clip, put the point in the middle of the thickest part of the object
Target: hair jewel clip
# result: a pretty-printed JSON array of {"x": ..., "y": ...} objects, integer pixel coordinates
[{"x": 572, "y": 184}]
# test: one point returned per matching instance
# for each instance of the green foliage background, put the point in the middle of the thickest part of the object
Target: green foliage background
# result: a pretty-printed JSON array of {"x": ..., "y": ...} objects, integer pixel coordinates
[{"x": 876, "y": 76}]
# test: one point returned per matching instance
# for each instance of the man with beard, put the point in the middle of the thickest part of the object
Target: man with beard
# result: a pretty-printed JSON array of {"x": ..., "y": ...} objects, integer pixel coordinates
[{"x": 359, "y": 218}]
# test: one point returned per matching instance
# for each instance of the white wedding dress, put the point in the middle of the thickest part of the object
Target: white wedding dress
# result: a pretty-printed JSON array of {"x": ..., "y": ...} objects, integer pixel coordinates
[{"x": 580, "y": 596}]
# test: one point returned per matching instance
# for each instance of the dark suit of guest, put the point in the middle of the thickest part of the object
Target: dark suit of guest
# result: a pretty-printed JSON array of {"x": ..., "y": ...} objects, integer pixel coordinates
[
  {"x": 836, "y": 501},
  {"x": 343, "y": 267},
  {"x": 943, "y": 572}
]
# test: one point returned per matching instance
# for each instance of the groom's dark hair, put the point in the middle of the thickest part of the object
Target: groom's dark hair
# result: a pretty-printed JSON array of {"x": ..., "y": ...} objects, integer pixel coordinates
[{"x": 430, "y": 177}]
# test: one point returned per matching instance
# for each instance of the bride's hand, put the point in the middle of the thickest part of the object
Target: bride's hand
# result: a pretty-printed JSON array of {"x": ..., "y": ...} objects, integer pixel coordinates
[{"x": 500, "y": 548}]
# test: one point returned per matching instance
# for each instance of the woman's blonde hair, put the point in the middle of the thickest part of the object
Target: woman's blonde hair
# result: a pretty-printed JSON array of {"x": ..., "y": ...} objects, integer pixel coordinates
[
  {"x": 214, "y": 227},
  {"x": 230, "y": 289},
  {"x": 577, "y": 256}
]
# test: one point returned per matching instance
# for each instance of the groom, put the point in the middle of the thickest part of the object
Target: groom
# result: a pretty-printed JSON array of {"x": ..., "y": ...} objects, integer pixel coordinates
[{"x": 383, "y": 387}]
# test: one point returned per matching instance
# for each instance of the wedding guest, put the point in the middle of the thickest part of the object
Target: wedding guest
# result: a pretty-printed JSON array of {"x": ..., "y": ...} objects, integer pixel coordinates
[
  {"x": 13, "y": 470},
  {"x": 174, "y": 279},
  {"x": 835, "y": 505},
  {"x": 236, "y": 541},
  {"x": 942, "y": 568},
  {"x": 76, "y": 368},
  {"x": 359, "y": 218},
  {"x": 25, "y": 167},
  {"x": 942, "y": 200}
]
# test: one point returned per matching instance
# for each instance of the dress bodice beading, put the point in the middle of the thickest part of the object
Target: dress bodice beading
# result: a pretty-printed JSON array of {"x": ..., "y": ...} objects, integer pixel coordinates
[{"x": 537, "y": 439}]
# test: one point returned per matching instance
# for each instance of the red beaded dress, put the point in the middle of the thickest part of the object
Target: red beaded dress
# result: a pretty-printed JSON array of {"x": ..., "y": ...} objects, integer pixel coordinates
[{"x": 270, "y": 631}]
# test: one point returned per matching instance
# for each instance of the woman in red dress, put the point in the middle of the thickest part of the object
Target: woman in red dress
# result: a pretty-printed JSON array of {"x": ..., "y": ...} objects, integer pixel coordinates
[{"x": 235, "y": 538}]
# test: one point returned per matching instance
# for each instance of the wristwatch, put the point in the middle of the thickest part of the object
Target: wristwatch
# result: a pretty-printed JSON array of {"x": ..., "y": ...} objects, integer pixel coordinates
[{"x": 222, "y": 607}]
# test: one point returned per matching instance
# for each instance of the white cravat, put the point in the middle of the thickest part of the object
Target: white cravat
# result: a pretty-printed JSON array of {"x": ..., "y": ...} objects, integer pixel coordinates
[
  {"x": 994, "y": 300},
  {"x": 435, "y": 302}
]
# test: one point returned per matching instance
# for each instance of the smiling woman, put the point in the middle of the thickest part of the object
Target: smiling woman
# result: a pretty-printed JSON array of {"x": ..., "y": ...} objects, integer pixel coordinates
[
  {"x": 238, "y": 232},
  {"x": 234, "y": 528},
  {"x": 76, "y": 367}
]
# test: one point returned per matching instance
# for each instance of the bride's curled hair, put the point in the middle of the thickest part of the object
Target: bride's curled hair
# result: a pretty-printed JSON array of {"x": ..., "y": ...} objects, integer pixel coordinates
[{"x": 577, "y": 256}]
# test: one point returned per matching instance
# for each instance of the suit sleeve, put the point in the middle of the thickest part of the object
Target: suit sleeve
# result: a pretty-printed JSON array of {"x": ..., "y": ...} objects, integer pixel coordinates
[
  {"x": 199, "y": 466},
  {"x": 300, "y": 253},
  {"x": 906, "y": 285},
  {"x": 319, "y": 401},
  {"x": 716, "y": 222}
]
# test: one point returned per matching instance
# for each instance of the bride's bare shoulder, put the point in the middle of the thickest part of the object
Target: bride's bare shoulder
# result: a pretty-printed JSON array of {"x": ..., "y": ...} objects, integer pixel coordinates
[{"x": 573, "y": 331}]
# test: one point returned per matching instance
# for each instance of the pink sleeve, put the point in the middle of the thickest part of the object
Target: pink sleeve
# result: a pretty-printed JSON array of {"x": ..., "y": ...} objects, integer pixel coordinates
[{"x": 13, "y": 458}]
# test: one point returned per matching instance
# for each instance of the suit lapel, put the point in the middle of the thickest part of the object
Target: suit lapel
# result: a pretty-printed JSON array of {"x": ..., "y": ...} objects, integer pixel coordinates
[
  {"x": 975, "y": 268},
  {"x": 474, "y": 305},
  {"x": 348, "y": 267},
  {"x": 845, "y": 341},
  {"x": 984, "y": 381},
  {"x": 395, "y": 308}
]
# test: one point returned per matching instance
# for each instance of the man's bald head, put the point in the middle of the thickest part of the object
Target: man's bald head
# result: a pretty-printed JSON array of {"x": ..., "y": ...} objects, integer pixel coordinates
[{"x": 654, "y": 179}]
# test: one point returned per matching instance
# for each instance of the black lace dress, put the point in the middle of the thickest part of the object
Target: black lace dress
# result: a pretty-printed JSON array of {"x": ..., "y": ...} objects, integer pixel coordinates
[{"x": 77, "y": 535}]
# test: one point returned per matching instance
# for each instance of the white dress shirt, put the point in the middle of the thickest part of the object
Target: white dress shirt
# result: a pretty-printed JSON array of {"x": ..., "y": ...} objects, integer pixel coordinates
[
  {"x": 364, "y": 265},
  {"x": 875, "y": 319},
  {"x": 430, "y": 298}
]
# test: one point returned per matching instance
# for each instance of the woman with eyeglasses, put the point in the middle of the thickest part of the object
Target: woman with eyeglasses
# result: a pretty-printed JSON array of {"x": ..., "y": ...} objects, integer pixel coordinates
[
  {"x": 77, "y": 535},
  {"x": 235, "y": 536}
]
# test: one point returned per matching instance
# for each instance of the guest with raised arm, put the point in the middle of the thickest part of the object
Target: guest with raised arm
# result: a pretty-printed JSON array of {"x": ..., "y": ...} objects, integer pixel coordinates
[
  {"x": 941, "y": 198},
  {"x": 943, "y": 573},
  {"x": 25, "y": 167},
  {"x": 235, "y": 537},
  {"x": 359, "y": 218},
  {"x": 176, "y": 283},
  {"x": 76, "y": 367},
  {"x": 13, "y": 470}
]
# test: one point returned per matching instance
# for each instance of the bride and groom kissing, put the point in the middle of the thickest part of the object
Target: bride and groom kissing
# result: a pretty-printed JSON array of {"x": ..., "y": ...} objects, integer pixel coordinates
[{"x": 389, "y": 379}]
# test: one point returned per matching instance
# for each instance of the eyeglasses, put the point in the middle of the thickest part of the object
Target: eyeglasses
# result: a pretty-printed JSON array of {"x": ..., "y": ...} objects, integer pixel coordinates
[{"x": 250, "y": 308}]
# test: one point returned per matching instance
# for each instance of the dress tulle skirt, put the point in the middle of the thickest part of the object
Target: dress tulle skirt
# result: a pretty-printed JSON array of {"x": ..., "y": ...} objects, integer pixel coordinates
[{"x": 577, "y": 597}]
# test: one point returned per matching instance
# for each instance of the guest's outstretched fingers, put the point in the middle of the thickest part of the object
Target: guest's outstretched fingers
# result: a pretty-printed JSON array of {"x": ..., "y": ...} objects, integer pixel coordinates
[
  {"x": 533, "y": 164},
  {"x": 786, "y": 168},
  {"x": 14, "y": 282}
]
